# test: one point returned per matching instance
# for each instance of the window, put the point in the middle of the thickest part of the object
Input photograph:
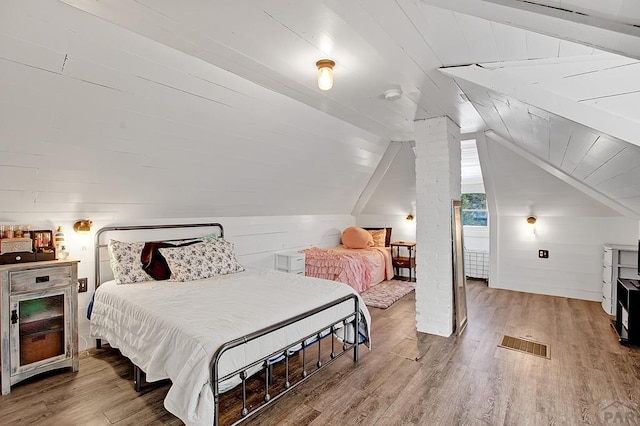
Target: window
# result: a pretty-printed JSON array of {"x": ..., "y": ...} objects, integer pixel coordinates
[{"x": 474, "y": 209}]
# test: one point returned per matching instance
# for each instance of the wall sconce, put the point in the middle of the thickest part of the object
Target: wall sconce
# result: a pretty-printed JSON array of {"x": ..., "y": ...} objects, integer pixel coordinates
[
  {"x": 83, "y": 226},
  {"x": 325, "y": 73},
  {"x": 409, "y": 217},
  {"x": 531, "y": 220}
]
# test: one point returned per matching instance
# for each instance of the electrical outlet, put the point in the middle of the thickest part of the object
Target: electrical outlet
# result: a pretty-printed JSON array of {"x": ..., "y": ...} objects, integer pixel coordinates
[
  {"x": 82, "y": 285},
  {"x": 543, "y": 254}
]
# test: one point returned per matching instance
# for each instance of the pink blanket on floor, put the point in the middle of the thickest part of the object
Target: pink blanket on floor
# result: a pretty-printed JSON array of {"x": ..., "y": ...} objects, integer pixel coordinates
[{"x": 358, "y": 268}]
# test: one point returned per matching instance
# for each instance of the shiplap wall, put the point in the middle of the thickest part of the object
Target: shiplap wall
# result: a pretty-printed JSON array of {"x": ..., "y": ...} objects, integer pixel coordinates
[
  {"x": 574, "y": 266},
  {"x": 403, "y": 229},
  {"x": 570, "y": 224},
  {"x": 256, "y": 241},
  {"x": 476, "y": 238}
]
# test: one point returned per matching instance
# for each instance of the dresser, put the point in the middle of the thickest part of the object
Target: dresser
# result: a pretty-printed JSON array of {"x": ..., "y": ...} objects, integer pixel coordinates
[
  {"x": 38, "y": 319},
  {"x": 291, "y": 262},
  {"x": 618, "y": 261}
]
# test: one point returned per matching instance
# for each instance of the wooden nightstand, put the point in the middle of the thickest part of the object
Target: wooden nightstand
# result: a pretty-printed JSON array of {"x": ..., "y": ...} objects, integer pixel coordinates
[
  {"x": 400, "y": 261},
  {"x": 39, "y": 319}
]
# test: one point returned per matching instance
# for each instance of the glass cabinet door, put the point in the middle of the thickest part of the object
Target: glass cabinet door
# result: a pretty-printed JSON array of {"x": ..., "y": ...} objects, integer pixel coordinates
[{"x": 38, "y": 328}]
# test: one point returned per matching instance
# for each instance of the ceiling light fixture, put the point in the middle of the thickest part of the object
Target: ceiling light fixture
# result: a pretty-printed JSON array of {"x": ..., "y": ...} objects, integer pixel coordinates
[
  {"x": 325, "y": 73},
  {"x": 393, "y": 94}
]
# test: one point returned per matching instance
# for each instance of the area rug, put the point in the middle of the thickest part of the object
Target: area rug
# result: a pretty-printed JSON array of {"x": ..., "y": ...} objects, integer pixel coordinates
[{"x": 384, "y": 294}]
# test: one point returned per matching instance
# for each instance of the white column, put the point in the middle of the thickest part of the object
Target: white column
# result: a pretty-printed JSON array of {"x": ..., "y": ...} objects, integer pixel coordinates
[{"x": 437, "y": 183}]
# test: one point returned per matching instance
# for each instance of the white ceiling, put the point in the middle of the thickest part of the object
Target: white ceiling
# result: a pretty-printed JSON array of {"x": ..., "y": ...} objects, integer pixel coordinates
[
  {"x": 607, "y": 25},
  {"x": 377, "y": 45},
  {"x": 158, "y": 108},
  {"x": 624, "y": 11},
  {"x": 523, "y": 189}
]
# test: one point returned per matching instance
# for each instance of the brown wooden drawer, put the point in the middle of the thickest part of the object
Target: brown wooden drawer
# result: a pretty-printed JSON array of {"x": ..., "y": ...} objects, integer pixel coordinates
[
  {"x": 404, "y": 262},
  {"x": 43, "y": 278}
]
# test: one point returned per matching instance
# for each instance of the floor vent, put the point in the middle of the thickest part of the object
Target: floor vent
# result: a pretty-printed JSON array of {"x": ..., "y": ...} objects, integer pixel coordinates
[{"x": 526, "y": 346}]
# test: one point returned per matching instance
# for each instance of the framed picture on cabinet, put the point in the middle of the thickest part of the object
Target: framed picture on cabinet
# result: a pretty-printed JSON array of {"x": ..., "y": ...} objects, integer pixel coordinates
[{"x": 43, "y": 245}]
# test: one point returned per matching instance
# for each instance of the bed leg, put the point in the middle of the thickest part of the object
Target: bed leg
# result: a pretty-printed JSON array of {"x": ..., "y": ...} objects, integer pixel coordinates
[
  {"x": 137, "y": 378},
  {"x": 356, "y": 333},
  {"x": 98, "y": 343}
]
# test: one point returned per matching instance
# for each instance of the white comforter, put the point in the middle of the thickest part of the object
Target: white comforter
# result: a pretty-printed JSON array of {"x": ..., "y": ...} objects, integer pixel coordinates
[{"x": 171, "y": 329}]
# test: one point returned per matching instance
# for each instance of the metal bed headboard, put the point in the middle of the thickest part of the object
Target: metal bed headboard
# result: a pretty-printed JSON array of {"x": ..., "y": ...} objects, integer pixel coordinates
[{"x": 101, "y": 245}]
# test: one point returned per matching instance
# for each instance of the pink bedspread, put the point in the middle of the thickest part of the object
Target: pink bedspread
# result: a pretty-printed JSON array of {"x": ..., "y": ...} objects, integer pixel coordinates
[{"x": 359, "y": 268}]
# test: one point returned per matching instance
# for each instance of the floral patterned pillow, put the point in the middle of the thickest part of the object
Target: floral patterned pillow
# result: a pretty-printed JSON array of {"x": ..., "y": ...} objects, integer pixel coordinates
[
  {"x": 202, "y": 260},
  {"x": 125, "y": 262},
  {"x": 379, "y": 237}
]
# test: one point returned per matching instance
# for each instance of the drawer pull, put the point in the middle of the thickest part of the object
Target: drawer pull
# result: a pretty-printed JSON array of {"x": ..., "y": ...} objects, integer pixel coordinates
[{"x": 43, "y": 279}]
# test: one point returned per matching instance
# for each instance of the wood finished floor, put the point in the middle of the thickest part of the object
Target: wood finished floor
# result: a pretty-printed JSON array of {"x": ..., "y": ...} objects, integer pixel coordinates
[{"x": 407, "y": 378}]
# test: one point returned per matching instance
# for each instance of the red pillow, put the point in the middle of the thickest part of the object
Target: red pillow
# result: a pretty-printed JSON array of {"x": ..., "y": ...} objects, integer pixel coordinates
[{"x": 356, "y": 238}]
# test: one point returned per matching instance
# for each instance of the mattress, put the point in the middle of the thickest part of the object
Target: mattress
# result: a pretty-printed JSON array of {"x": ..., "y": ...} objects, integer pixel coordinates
[{"x": 171, "y": 329}]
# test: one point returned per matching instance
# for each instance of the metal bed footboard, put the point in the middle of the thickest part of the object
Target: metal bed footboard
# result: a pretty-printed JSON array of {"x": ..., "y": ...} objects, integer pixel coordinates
[{"x": 351, "y": 319}]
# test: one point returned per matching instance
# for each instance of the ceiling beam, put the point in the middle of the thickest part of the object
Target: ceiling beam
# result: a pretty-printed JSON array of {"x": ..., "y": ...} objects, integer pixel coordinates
[
  {"x": 593, "y": 31},
  {"x": 596, "y": 118},
  {"x": 570, "y": 180}
]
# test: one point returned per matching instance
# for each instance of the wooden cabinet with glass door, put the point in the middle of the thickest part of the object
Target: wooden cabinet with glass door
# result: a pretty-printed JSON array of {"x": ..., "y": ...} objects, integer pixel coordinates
[{"x": 39, "y": 319}]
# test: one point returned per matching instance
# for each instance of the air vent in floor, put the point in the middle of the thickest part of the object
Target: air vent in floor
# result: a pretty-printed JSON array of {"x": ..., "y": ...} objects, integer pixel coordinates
[{"x": 526, "y": 346}]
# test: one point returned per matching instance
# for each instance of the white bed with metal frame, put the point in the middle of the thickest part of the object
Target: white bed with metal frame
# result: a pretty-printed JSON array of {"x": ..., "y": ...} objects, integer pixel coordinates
[{"x": 210, "y": 335}]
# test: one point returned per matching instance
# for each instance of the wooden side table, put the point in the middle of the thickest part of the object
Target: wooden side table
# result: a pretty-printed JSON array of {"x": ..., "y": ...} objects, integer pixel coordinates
[
  {"x": 401, "y": 261},
  {"x": 39, "y": 319}
]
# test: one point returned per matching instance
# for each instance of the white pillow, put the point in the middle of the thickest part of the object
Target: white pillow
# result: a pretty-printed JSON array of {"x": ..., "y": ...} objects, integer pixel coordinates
[
  {"x": 201, "y": 260},
  {"x": 125, "y": 262}
]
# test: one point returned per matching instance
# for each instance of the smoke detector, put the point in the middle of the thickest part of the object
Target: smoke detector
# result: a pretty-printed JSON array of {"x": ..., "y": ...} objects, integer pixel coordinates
[{"x": 393, "y": 94}]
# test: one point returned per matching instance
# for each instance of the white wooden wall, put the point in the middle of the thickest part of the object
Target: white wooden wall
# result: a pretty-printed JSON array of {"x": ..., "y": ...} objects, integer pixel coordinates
[
  {"x": 403, "y": 229},
  {"x": 574, "y": 266},
  {"x": 570, "y": 224},
  {"x": 476, "y": 238}
]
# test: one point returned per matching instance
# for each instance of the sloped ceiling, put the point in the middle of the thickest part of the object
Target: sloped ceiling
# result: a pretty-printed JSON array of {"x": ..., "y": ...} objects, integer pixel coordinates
[
  {"x": 575, "y": 114},
  {"x": 601, "y": 162},
  {"x": 523, "y": 189},
  {"x": 157, "y": 108},
  {"x": 101, "y": 122}
]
